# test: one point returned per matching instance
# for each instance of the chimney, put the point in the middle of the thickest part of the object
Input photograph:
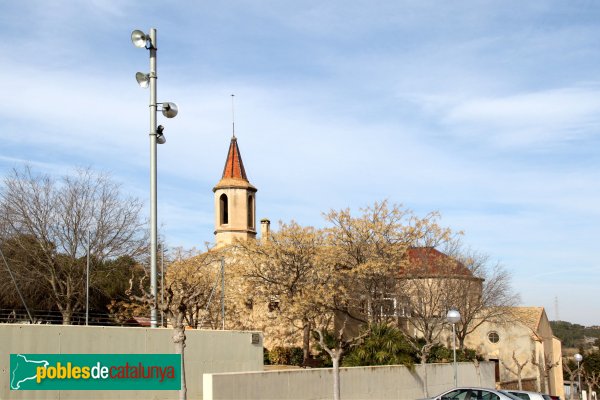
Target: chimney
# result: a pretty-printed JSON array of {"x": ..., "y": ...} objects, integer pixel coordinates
[{"x": 265, "y": 229}]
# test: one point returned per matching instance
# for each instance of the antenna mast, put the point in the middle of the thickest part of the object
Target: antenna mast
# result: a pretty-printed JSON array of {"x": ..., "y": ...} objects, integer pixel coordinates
[{"x": 232, "y": 116}]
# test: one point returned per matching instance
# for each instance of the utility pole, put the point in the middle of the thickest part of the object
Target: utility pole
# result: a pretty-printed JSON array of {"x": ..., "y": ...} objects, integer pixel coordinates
[{"x": 223, "y": 293}]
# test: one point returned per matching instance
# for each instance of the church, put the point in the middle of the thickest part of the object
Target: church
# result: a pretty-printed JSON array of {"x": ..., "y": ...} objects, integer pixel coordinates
[{"x": 527, "y": 339}]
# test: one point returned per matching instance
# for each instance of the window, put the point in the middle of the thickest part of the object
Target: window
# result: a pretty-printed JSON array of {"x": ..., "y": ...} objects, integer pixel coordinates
[
  {"x": 224, "y": 207},
  {"x": 458, "y": 394},
  {"x": 485, "y": 395},
  {"x": 387, "y": 307},
  {"x": 493, "y": 337},
  {"x": 403, "y": 308},
  {"x": 250, "y": 212},
  {"x": 523, "y": 396},
  {"x": 273, "y": 304}
]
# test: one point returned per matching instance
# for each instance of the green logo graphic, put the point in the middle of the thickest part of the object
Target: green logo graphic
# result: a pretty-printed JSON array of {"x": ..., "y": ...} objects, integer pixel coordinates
[{"x": 95, "y": 372}]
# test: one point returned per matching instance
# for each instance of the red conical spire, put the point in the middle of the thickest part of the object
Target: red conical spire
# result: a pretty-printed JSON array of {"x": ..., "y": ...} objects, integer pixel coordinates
[{"x": 234, "y": 167}]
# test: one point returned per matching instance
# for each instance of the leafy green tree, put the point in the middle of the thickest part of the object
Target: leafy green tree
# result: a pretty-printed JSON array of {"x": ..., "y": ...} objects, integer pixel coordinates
[
  {"x": 442, "y": 354},
  {"x": 385, "y": 345}
]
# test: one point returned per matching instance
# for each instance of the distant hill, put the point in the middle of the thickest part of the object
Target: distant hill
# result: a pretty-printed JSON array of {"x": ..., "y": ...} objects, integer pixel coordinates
[{"x": 575, "y": 335}]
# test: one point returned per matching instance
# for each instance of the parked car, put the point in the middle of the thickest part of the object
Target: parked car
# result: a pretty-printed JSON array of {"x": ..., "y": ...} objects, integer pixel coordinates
[
  {"x": 474, "y": 393},
  {"x": 525, "y": 395}
]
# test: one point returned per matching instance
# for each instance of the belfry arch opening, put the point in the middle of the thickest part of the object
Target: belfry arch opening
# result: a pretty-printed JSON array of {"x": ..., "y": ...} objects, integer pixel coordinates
[
  {"x": 224, "y": 209},
  {"x": 251, "y": 212}
]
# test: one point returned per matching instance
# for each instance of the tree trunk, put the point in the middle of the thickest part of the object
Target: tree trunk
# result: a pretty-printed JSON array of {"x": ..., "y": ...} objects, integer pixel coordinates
[
  {"x": 425, "y": 378},
  {"x": 335, "y": 358},
  {"x": 306, "y": 342},
  {"x": 478, "y": 371},
  {"x": 67, "y": 314},
  {"x": 179, "y": 340}
]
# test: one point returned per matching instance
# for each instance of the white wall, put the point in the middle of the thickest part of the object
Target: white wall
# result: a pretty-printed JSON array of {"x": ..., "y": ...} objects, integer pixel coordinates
[{"x": 384, "y": 382}]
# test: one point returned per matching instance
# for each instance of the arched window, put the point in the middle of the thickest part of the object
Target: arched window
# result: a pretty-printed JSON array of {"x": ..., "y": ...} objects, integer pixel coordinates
[
  {"x": 224, "y": 207},
  {"x": 250, "y": 212}
]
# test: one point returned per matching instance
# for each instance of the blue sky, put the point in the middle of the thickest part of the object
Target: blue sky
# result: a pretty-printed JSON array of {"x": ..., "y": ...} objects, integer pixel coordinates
[{"x": 487, "y": 111}]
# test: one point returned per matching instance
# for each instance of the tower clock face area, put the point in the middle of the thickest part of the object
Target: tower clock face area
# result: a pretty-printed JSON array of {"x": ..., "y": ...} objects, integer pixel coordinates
[{"x": 235, "y": 201}]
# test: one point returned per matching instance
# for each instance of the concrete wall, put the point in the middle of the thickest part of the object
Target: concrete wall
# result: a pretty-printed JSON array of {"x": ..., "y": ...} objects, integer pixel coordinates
[
  {"x": 385, "y": 382},
  {"x": 206, "y": 351}
]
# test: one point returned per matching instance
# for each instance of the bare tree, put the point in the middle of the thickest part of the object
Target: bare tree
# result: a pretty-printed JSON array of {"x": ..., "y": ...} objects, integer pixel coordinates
[
  {"x": 368, "y": 251},
  {"x": 544, "y": 367},
  {"x": 187, "y": 291},
  {"x": 343, "y": 344},
  {"x": 284, "y": 269},
  {"x": 592, "y": 380},
  {"x": 485, "y": 297},
  {"x": 517, "y": 369},
  {"x": 572, "y": 372},
  {"x": 51, "y": 219}
]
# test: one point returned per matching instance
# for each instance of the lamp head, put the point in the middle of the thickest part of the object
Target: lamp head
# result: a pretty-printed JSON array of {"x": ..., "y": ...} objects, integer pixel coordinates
[
  {"x": 453, "y": 316},
  {"x": 169, "y": 109},
  {"x": 142, "y": 79},
  {"x": 578, "y": 357},
  {"x": 160, "y": 138},
  {"x": 139, "y": 38}
]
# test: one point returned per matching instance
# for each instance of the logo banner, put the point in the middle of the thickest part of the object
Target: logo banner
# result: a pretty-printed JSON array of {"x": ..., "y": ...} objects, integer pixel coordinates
[{"x": 95, "y": 371}]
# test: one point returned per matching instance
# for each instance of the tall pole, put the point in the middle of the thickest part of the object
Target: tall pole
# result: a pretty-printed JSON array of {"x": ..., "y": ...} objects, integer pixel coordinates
[
  {"x": 454, "y": 346},
  {"x": 579, "y": 378},
  {"x": 223, "y": 293},
  {"x": 162, "y": 283},
  {"x": 87, "y": 281},
  {"x": 579, "y": 358},
  {"x": 153, "y": 216}
]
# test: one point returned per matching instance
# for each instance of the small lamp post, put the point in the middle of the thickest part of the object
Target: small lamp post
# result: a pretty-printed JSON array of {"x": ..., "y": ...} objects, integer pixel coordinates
[
  {"x": 453, "y": 317},
  {"x": 579, "y": 358}
]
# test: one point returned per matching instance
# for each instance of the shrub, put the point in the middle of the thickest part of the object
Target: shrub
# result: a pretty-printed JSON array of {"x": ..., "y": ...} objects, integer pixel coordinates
[{"x": 286, "y": 355}]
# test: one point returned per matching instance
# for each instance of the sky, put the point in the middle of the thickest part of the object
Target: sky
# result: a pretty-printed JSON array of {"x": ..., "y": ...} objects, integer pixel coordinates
[{"x": 486, "y": 111}]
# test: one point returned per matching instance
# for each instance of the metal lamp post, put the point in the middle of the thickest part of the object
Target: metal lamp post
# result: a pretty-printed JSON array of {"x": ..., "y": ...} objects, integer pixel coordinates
[
  {"x": 579, "y": 358},
  {"x": 453, "y": 317},
  {"x": 169, "y": 110}
]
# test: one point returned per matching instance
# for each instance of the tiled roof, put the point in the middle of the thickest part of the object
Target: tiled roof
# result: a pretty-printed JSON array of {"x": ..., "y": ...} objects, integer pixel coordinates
[
  {"x": 529, "y": 316},
  {"x": 234, "y": 173},
  {"x": 427, "y": 261},
  {"x": 234, "y": 167}
]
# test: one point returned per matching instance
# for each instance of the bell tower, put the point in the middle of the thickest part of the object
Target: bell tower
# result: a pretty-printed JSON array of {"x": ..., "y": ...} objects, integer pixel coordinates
[{"x": 235, "y": 201}]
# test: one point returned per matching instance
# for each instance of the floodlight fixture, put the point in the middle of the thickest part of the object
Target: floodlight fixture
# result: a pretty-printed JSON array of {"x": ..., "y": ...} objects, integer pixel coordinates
[
  {"x": 169, "y": 109},
  {"x": 160, "y": 138},
  {"x": 140, "y": 39},
  {"x": 142, "y": 79}
]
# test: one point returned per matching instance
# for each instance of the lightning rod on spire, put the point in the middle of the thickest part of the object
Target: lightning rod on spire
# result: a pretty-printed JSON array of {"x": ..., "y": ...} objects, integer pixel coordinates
[{"x": 232, "y": 116}]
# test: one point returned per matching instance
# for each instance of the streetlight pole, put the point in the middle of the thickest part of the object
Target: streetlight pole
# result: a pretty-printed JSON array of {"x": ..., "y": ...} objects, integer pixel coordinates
[
  {"x": 579, "y": 358},
  {"x": 169, "y": 110},
  {"x": 87, "y": 281},
  {"x": 453, "y": 317},
  {"x": 223, "y": 293}
]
